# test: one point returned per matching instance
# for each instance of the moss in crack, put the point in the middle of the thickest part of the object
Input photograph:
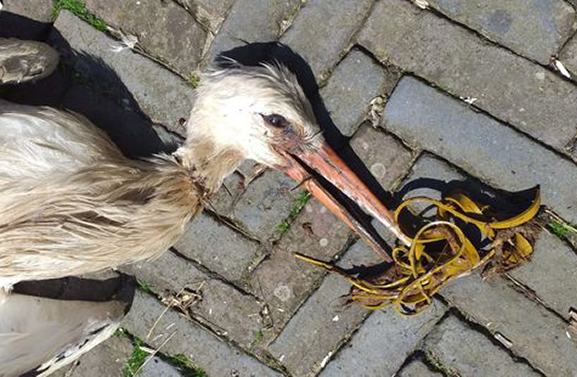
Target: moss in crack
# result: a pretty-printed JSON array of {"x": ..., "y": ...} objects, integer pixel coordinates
[
  {"x": 559, "y": 229},
  {"x": 120, "y": 333},
  {"x": 298, "y": 206},
  {"x": 144, "y": 286},
  {"x": 136, "y": 359},
  {"x": 185, "y": 366},
  {"x": 433, "y": 362},
  {"x": 78, "y": 8},
  {"x": 139, "y": 356},
  {"x": 193, "y": 80},
  {"x": 258, "y": 335}
]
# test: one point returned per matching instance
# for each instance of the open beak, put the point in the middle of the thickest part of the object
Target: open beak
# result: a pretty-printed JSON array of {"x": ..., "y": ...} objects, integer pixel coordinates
[{"x": 329, "y": 165}]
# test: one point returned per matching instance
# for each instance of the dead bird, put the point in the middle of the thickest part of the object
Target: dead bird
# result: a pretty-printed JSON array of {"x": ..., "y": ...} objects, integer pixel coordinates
[{"x": 72, "y": 203}]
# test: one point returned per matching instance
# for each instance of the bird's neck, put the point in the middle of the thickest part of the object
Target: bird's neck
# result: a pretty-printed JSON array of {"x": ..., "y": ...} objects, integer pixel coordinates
[{"x": 208, "y": 162}]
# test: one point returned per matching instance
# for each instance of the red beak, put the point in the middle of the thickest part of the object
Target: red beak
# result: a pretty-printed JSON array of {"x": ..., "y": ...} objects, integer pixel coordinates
[{"x": 328, "y": 164}]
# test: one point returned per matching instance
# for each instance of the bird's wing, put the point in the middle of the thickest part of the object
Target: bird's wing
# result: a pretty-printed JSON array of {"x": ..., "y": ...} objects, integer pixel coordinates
[
  {"x": 41, "y": 335},
  {"x": 22, "y": 61},
  {"x": 37, "y": 142}
]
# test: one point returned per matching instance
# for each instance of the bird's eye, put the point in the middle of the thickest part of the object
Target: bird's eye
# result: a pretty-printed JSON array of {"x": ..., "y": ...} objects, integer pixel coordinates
[{"x": 275, "y": 120}]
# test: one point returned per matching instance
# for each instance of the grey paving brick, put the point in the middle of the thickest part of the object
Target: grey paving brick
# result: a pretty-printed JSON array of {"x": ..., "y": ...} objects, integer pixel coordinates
[
  {"x": 323, "y": 29},
  {"x": 210, "y": 13},
  {"x": 352, "y": 86},
  {"x": 222, "y": 307},
  {"x": 266, "y": 203},
  {"x": 533, "y": 29},
  {"x": 211, "y": 354},
  {"x": 223, "y": 201},
  {"x": 480, "y": 145},
  {"x": 163, "y": 96},
  {"x": 381, "y": 345},
  {"x": 164, "y": 29},
  {"x": 509, "y": 87},
  {"x": 262, "y": 205},
  {"x": 384, "y": 232},
  {"x": 214, "y": 7},
  {"x": 417, "y": 368},
  {"x": 283, "y": 281},
  {"x": 322, "y": 324},
  {"x": 384, "y": 156},
  {"x": 534, "y": 332},
  {"x": 568, "y": 56},
  {"x": 38, "y": 10},
  {"x": 359, "y": 254},
  {"x": 107, "y": 359},
  {"x": 251, "y": 21},
  {"x": 26, "y": 19},
  {"x": 219, "y": 248},
  {"x": 553, "y": 265},
  {"x": 552, "y": 269},
  {"x": 159, "y": 368},
  {"x": 169, "y": 139},
  {"x": 430, "y": 167},
  {"x": 459, "y": 348}
]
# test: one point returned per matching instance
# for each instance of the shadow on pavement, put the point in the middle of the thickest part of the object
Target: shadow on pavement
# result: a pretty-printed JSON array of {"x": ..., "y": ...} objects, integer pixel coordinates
[
  {"x": 120, "y": 287},
  {"x": 87, "y": 85},
  {"x": 16, "y": 26}
]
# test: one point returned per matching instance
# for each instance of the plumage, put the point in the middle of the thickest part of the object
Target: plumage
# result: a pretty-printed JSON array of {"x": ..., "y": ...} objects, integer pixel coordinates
[
  {"x": 42, "y": 335},
  {"x": 71, "y": 203}
]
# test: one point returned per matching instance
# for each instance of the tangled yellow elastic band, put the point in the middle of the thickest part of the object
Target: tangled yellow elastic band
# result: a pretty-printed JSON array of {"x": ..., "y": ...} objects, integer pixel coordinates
[{"x": 440, "y": 251}]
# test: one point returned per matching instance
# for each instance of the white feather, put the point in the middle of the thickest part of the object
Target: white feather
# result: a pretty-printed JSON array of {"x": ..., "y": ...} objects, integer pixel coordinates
[
  {"x": 38, "y": 142},
  {"x": 44, "y": 334}
]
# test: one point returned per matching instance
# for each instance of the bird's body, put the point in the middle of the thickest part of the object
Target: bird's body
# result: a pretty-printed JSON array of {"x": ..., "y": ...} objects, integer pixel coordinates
[
  {"x": 45, "y": 204},
  {"x": 72, "y": 204}
]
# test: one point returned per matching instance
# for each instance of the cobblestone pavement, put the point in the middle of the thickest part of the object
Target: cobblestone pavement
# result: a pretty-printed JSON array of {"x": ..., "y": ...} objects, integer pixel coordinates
[{"x": 442, "y": 90}]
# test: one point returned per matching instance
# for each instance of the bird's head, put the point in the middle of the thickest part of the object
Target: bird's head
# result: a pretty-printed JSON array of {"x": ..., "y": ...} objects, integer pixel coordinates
[{"x": 261, "y": 113}]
